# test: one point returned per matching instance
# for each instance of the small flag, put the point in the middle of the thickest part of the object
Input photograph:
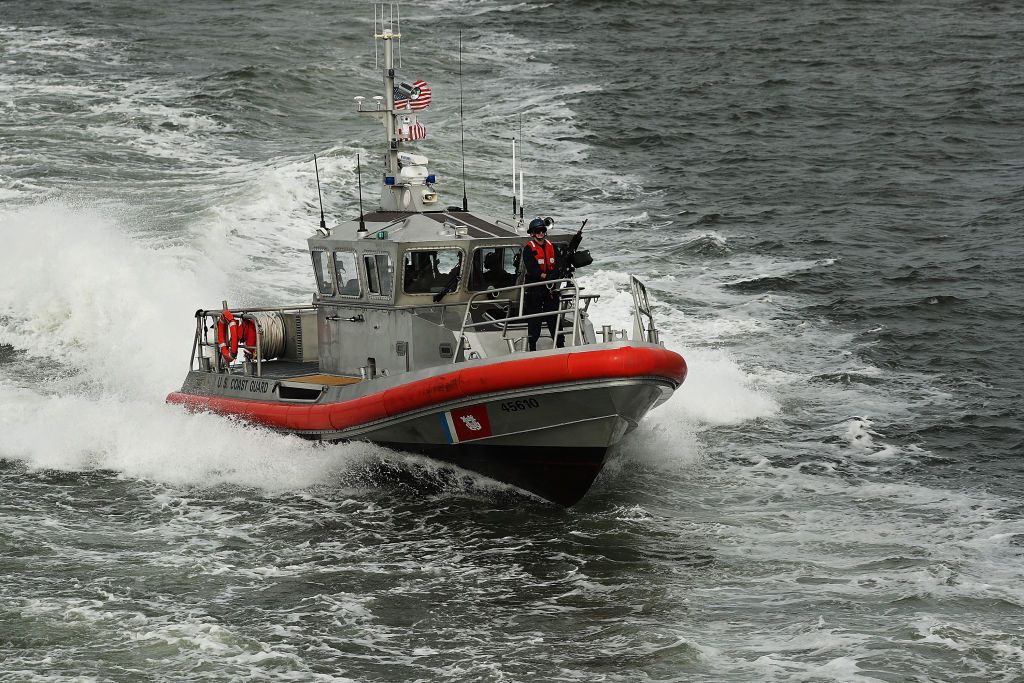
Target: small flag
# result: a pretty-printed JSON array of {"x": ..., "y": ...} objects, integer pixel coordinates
[
  {"x": 419, "y": 100},
  {"x": 409, "y": 128}
]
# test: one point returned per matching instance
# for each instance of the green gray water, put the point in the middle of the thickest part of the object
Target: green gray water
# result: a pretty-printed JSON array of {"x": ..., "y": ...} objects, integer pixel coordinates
[{"x": 824, "y": 199}]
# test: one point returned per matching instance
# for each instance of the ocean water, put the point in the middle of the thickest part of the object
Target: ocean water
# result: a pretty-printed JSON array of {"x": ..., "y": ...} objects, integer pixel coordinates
[{"x": 825, "y": 199}]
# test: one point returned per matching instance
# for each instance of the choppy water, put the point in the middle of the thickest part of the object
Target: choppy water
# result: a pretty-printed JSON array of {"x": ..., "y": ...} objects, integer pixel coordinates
[{"x": 825, "y": 198}]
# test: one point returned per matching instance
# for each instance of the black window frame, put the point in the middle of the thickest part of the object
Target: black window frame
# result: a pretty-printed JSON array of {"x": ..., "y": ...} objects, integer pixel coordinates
[
  {"x": 375, "y": 278},
  {"x": 436, "y": 284},
  {"x": 473, "y": 285},
  {"x": 318, "y": 273},
  {"x": 355, "y": 268}
]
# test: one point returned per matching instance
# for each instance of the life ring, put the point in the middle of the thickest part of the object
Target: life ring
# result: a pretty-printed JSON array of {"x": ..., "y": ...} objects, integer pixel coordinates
[{"x": 227, "y": 336}]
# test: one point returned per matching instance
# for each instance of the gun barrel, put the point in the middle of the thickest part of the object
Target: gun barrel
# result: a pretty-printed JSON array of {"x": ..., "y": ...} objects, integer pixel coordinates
[{"x": 574, "y": 243}]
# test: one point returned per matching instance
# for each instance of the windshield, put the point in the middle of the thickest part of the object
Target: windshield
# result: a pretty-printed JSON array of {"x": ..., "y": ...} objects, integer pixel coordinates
[
  {"x": 494, "y": 267},
  {"x": 322, "y": 268},
  {"x": 427, "y": 271}
]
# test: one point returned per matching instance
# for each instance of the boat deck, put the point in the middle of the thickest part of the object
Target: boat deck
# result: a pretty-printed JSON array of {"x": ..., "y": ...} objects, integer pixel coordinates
[
  {"x": 307, "y": 373},
  {"x": 330, "y": 380}
]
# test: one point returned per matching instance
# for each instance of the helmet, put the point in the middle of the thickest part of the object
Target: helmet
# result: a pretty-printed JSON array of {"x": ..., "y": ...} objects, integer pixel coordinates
[{"x": 536, "y": 225}]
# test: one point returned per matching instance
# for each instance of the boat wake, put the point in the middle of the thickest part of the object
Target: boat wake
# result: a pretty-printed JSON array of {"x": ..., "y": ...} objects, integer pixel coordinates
[{"x": 91, "y": 321}]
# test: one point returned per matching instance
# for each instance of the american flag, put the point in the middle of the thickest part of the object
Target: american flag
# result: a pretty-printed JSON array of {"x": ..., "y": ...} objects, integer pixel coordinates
[
  {"x": 416, "y": 103},
  {"x": 410, "y": 129}
]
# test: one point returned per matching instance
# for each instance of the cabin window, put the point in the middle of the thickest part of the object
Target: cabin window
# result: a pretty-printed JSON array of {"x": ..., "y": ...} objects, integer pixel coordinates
[
  {"x": 323, "y": 271},
  {"x": 495, "y": 267},
  {"x": 379, "y": 276},
  {"x": 428, "y": 271},
  {"x": 348, "y": 277}
]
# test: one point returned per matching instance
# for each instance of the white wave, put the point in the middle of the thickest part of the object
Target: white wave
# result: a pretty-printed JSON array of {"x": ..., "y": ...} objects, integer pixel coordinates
[
  {"x": 861, "y": 438},
  {"x": 263, "y": 227},
  {"x": 140, "y": 115},
  {"x": 38, "y": 42},
  {"x": 76, "y": 288},
  {"x": 750, "y": 268},
  {"x": 112, "y": 317},
  {"x": 480, "y": 10},
  {"x": 146, "y": 439},
  {"x": 717, "y": 390},
  {"x": 10, "y": 193}
]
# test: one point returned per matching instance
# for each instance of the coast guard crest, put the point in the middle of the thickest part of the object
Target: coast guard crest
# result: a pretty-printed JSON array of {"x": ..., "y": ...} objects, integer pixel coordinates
[{"x": 466, "y": 424}]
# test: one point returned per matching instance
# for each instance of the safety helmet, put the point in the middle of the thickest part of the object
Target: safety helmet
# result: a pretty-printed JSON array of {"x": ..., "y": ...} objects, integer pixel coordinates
[{"x": 536, "y": 225}]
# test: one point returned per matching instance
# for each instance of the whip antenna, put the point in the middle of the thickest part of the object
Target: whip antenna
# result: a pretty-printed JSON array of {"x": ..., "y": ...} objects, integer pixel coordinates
[
  {"x": 515, "y": 204},
  {"x": 522, "y": 195},
  {"x": 359, "y": 175},
  {"x": 398, "y": 6},
  {"x": 462, "y": 130},
  {"x": 316, "y": 167}
]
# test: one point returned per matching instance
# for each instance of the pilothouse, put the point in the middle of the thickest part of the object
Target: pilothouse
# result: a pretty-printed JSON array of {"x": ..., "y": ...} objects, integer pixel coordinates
[{"x": 417, "y": 336}]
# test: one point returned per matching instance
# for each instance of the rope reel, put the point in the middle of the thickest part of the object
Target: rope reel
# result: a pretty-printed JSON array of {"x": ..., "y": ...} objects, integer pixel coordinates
[{"x": 271, "y": 334}]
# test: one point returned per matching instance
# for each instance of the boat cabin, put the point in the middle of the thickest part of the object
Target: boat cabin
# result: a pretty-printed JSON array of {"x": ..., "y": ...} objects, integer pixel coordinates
[{"x": 396, "y": 290}]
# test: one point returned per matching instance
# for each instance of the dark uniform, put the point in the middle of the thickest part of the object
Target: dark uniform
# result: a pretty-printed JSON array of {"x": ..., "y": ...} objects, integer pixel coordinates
[{"x": 539, "y": 261}]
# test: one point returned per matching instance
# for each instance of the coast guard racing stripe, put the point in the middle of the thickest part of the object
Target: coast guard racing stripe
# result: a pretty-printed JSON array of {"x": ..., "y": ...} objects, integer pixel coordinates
[{"x": 466, "y": 424}]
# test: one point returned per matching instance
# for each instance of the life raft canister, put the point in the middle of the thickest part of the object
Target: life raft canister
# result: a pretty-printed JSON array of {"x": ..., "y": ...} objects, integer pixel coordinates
[
  {"x": 227, "y": 335},
  {"x": 545, "y": 255}
]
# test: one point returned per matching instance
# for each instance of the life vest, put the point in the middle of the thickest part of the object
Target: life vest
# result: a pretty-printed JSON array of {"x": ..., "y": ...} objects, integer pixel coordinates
[
  {"x": 247, "y": 336},
  {"x": 227, "y": 336},
  {"x": 545, "y": 255}
]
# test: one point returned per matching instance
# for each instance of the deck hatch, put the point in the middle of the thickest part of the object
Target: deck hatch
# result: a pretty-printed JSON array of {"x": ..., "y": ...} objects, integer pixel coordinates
[{"x": 290, "y": 392}]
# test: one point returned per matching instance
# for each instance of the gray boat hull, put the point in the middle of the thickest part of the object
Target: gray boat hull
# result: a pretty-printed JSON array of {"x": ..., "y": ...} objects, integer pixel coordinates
[{"x": 543, "y": 424}]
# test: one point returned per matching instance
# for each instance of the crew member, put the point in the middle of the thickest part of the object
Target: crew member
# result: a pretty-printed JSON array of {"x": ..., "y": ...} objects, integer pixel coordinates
[
  {"x": 494, "y": 274},
  {"x": 540, "y": 262}
]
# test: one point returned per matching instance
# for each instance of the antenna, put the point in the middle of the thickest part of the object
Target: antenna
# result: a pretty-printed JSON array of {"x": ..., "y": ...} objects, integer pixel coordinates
[
  {"x": 522, "y": 201},
  {"x": 359, "y": 175},
  {"x": 515, "y": 205},
  {"x": 316, "y": 167},
  {"x": 462, "y": 130},
  {"x": 522, "y": 195}
]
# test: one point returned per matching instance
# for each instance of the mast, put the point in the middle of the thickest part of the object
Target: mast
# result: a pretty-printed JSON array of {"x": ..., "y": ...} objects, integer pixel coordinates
[
  {"x": 389, "y": 38},
  {"x": 406, "y": 184}
]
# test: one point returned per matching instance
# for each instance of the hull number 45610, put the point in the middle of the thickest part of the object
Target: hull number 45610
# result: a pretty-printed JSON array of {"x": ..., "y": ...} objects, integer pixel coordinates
[{"x": 521, "y": 404}]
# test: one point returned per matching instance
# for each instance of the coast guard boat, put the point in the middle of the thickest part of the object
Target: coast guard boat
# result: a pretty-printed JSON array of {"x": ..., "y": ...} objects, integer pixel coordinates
[{"x": 416, "y": 337}]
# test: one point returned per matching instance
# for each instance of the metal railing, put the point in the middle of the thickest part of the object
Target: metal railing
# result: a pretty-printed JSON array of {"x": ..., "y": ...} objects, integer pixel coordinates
[
  {"x": 644, "y": 328},
  {"x": 215, "y": 361},
  {"x": 493, "y": 298},
  {"x": 508, "y": 303}
]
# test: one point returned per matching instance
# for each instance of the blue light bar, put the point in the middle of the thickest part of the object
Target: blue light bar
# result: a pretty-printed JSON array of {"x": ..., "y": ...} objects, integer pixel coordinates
[
  {"x": 431, "y": 179},
  {"x": 389, "y": 180}
]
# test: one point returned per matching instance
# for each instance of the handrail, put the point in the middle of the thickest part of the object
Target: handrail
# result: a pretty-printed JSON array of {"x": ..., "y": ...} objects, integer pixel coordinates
[
  {"x": 265, "y": 309},
  {"x": 520, "y": 316},
  {"x": 201, "y": 342},
  {"x": 643, "y": 317}
]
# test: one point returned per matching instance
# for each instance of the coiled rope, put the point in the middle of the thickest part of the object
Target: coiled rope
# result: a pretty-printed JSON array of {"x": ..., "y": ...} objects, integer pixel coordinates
[{"x": 271, "y": 328}]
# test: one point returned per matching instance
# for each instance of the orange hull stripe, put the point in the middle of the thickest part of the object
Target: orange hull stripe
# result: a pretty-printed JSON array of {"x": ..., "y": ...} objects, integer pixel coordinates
[{"x": 462, "y": 383}]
